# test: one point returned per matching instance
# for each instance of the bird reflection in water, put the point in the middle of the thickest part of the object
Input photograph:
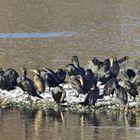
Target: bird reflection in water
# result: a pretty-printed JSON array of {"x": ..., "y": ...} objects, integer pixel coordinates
[
  {"x": 122, "y": 119},
  {"x": 1, "y": 115},
  {"x": 56, "y": 115},
  {"x": 33, "y": 120},
  {"x": 39, "y": 123},
  {"x": 89, "y": 118},
  {"x": 132, "y": 119}
]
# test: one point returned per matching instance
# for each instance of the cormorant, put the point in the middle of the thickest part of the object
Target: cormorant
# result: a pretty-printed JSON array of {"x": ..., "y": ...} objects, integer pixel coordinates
[
  {"x": 121, "y": 96},
  {"x": 89, "y": 80},
  {"x": 12, "y": 76},
  {"x": 131, "y": 88},
  {"x": 74, "y": 68},
  {"x": 129, "y": 74},
  {"x": 50, "y": 77},
  {"x": 109, "y": 88},
  {"x": 76, "y": 63},
  {"x": 77, "y": 83},
  {"x": 38, "y": 81},
  {"x": 61, "y": 74},
  {"x": 27, "y": 84},
  {"x": 5, "y": 83},
  {"x": 106, "y": 65},
  {"x": 95, "y": 65},
  {"x": 115, "y": 65},
  {"x": 92, "y": 97},
  {"x": 59, "y": 94}
]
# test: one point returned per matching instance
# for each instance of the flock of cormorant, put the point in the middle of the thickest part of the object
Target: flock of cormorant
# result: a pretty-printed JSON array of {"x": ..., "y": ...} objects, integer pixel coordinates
[{"x": 84, "y": 81}]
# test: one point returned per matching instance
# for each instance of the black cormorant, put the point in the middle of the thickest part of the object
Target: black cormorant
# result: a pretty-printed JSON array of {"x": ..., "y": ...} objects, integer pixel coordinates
[
  {"x": 5, "y": 83},
  {"x": 109, "y": 88},
  {"x": 115, "y": 65},
  {"x": 12, "y": 76},
  {"x": 131, "y": 88},
  {"x": 74, "y": 68},
  {"x": 121, "y": 96},
  {"x": 95, "y": 65},
  {"x": 59, "y": 94},
  {"x": 50, "y": 77},
  {"x": 92, "y": 97},
  {"x": 61, "y": 74},
  {"x": 27, "y": 84},
  {"x": 129, "y": 74},
  {"x": 89, "y": 80}
]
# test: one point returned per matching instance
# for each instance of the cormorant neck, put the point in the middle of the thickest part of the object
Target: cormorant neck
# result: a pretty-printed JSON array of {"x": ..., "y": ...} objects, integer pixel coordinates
[
  {"x": 76, "y": 63},
  {"x": 25, "y": 73}
]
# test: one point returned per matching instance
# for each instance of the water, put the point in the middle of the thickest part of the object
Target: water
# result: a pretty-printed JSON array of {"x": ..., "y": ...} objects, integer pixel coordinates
[
  {"x": 83, "y": 28},
  {"x": 103, "y": 29},
  {"x": 29, "y": 124}
]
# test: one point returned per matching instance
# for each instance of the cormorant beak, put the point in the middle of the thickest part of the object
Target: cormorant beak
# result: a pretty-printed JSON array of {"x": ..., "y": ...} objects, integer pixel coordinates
[
  {"x": 81, "y": 81},
  {"x": 111, "y": 61},
  {"x": 63, "y": 96}
]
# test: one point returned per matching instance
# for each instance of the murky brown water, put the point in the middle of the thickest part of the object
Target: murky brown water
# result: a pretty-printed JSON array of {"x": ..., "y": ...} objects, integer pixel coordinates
[
  {"x": 26, "y": 124},
  {"x": 104, "y": 28}
]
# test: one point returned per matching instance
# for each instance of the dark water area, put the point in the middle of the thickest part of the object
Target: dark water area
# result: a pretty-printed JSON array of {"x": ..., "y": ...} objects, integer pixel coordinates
[
  {"x": 83, "y": 28},
  {"x": 27, "y": 124}
]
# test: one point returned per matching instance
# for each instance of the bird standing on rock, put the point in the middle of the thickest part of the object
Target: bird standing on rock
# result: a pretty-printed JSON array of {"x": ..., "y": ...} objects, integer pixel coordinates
[
  {"x": 115, "y": 64},
  {"x": 121, "y": 96},
  {"x": 50, "y": 77},
  {"x": 12, "y": 76},
  {"x": 59, "y": 94},
  {"x": 131, "y": 88},
  {"x": 74, "y": 68},
  {"x": 27, "y": 84},
  {"x": 61, "y": 74},
  {"x": 129, "y": 74},
  {"x": 77, "y": 83},
  {"x": 89, "y": 80},
  {"x": 92, "y": 97},
  {"x": 109, "y": 88},
  {"x": 6, "y": 82},
  {"x": 38, "y": 81}
]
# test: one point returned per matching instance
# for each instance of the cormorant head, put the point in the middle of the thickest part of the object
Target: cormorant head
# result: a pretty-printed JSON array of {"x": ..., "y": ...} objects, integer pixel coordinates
[
  {"x": 75, "y": 60},
  {"x": 23, "y": 70},
  {"x": 89, "y": 72},
  {"x": 95, "y": 61},
  {"x": 77, "y": 79},
  {"x": 80, "y": 78},
  {"x": 106, "y": 65},
  {"x": 112, "y": 59},
  {"x": 37, "y": 71}
]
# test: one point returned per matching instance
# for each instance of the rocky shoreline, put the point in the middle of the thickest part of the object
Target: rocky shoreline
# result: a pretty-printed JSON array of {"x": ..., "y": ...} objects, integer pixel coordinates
[{"x": 16, "y": 98}]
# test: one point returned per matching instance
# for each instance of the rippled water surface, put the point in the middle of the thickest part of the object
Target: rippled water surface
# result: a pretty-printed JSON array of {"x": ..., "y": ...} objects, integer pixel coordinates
[
  {"x": 27, "y": 124},
  {"x": 38, "y": 33},
  {"x": 94, "y": 28}
]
